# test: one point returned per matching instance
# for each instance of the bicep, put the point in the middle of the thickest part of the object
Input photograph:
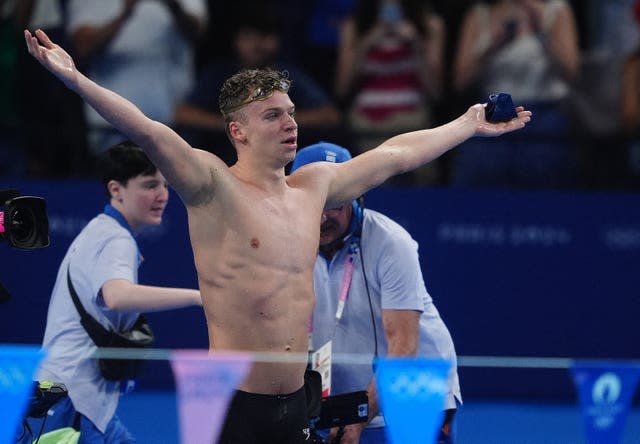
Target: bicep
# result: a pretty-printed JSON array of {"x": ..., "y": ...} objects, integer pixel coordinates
[
  {"x": 354, "y": 178},
  {"x": 190, "y": 171},
  {"x": 113, "y": 291}
]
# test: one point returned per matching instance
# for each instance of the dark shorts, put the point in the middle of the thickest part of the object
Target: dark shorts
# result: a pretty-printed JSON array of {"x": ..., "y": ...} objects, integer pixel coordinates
[{"x": 266, "y": 419}]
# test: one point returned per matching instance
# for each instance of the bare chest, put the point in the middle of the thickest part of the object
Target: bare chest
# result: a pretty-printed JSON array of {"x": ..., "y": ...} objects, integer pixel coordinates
[{"x": 283, "y": 233}]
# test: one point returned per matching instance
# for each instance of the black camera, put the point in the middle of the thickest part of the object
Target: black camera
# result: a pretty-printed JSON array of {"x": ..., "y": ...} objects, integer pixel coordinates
[
  {"x": 23, "y": 223},
  {"x": 332, "y": 411},
  {"x": 43, "y": 396}
]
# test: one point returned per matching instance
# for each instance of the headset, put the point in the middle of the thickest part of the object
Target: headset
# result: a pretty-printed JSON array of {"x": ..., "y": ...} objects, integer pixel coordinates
[{"x": 355, "y": 227}]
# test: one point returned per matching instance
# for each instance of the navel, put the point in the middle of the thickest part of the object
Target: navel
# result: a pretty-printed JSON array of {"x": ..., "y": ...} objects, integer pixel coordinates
[{"x": 255, "y": 243}]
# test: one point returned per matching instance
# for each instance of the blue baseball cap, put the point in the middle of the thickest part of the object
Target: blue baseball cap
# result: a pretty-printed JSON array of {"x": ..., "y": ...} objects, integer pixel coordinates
[{"x": 320, "y": 152}]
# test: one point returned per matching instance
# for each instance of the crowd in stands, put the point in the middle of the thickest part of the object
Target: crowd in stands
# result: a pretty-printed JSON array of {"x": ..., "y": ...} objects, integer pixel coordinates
[{"x": 362, "y": 71}]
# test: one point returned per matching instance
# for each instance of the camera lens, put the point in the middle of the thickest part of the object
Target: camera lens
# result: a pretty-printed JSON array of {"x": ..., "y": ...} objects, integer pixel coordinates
[{"x": 22, "y": 223}]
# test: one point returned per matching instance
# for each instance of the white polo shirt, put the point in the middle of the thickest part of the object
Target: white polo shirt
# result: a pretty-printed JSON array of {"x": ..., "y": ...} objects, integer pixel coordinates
[{"x": 395, "y": 281}]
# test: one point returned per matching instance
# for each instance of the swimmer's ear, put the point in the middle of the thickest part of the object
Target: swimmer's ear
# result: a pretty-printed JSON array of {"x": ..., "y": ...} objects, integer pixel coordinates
[{"x": 236, "y": 133}]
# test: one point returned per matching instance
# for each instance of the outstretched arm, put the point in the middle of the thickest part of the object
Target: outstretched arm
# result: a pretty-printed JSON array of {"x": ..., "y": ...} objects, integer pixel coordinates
[
  {"x": 120, "y": 294},
  {"x": 408, "y": 151},
  {"x": 180, "y": 164}
]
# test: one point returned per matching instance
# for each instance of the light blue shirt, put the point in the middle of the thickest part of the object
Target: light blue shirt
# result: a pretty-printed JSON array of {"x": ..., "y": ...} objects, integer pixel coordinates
[
  {"x": 394, "y": 280},
  {"x": 104, "y": 250}
]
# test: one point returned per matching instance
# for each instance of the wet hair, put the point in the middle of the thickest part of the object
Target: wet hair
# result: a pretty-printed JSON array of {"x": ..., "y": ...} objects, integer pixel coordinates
[
  {"x": 246, "y": 87},
  {"x": 124, "y": 161}
]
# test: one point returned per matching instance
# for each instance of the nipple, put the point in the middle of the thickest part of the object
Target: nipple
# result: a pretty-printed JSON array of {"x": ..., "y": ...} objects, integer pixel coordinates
[{"x": 255, "y": 243}]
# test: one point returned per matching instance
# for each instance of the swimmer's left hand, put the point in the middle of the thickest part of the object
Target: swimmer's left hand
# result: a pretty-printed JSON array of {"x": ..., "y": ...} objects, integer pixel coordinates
[{"x": 483, "y": 128}]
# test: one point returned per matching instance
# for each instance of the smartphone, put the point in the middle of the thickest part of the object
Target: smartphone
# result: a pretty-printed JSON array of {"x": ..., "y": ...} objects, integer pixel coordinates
[{"x": 342, "y": 410}]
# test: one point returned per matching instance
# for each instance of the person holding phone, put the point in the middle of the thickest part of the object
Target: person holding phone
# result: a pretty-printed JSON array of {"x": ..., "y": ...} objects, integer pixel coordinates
[
  {"x": 389, "y": 72},
  {"x": 528, "y": 48}
]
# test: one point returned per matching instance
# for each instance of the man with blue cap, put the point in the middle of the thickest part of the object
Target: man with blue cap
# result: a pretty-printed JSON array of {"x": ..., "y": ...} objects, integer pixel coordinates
[{"x": 383, "y": 309}]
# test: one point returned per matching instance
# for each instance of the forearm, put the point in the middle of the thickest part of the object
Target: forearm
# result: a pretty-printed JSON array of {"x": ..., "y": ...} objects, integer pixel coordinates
[
  {"x": 564, "y": 54},
  {"x": 123, "y": 295},
  {"x": 374, "y": 405},
  {"x": 431, "y": 72},
  {"x": 397, "y": 155},
  {"x": 115, "y": 109},
  {"x": 170, "y": 153},
  {"x": 414, "y": 149},
  {"x": 560, "y": 40}
]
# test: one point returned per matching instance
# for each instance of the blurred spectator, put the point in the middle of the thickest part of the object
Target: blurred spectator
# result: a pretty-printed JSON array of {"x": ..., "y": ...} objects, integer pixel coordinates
[
  {"x": 528, "y": 48},
  {"x": 256, "y": 44},
  {"x": 612, "y": 27},
  {"x": 141, "y": 49},
  {"x": 11, "y": 157},
  {"x": 53, "y": 138},
  {"x": 321, "y": 33},
  {"x": 389, "y": 72},
  {"x": 630, "y": 106}
]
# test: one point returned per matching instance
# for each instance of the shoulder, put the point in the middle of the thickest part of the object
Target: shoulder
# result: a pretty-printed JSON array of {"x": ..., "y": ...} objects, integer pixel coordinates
[
  {"x": 384, "y": 229},
  {"x": 217, "y": 178},
  {"x": 103, "y": 233},
  {"x": 313, "y": 171},
  {"x": 316, "y": 177}
]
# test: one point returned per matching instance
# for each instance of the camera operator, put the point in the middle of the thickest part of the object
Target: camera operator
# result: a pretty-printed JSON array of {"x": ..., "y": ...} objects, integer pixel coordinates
[{"x": 386, "y": 311}]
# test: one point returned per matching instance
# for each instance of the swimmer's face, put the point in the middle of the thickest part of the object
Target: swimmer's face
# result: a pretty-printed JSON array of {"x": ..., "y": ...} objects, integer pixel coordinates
[{"x": 335, "y": 223}]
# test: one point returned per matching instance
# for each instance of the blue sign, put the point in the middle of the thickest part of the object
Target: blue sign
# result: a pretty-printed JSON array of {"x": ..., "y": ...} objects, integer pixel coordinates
[
  {"x": 412, "y": 393},
  {"x": 18, "y": 365},
  {"x": 605, "y": 390}
]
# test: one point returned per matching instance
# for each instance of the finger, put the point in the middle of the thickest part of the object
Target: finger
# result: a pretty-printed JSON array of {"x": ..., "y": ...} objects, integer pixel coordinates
[
  {"x": 32, "y": 43},
  {"x": 525, "y": 115},
  {"x": 44, "y": 38}
]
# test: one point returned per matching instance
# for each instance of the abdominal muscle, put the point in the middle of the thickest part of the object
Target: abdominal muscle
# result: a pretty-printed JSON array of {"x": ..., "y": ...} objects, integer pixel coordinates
[{"x": 264, "y": 309}]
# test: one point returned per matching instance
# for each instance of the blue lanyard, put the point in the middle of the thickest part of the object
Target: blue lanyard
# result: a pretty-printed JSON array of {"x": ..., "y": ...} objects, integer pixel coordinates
[{"x": 109, "y": 210}]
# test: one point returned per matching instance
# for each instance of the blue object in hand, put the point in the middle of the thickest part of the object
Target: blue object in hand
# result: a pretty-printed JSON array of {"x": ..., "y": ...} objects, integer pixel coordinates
[{"x": 500, "y": 108}]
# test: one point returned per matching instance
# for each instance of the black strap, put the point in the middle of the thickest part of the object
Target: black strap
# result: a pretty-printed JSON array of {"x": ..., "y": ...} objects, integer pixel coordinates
[
  {"x": 94, "y": 329},
  {"x": 76, "y": 421},
  {"x": 74, "y": 296}
]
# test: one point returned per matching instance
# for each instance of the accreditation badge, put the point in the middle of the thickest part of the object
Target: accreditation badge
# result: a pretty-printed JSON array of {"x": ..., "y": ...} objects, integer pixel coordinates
[{"x": 321, "y": 362}]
